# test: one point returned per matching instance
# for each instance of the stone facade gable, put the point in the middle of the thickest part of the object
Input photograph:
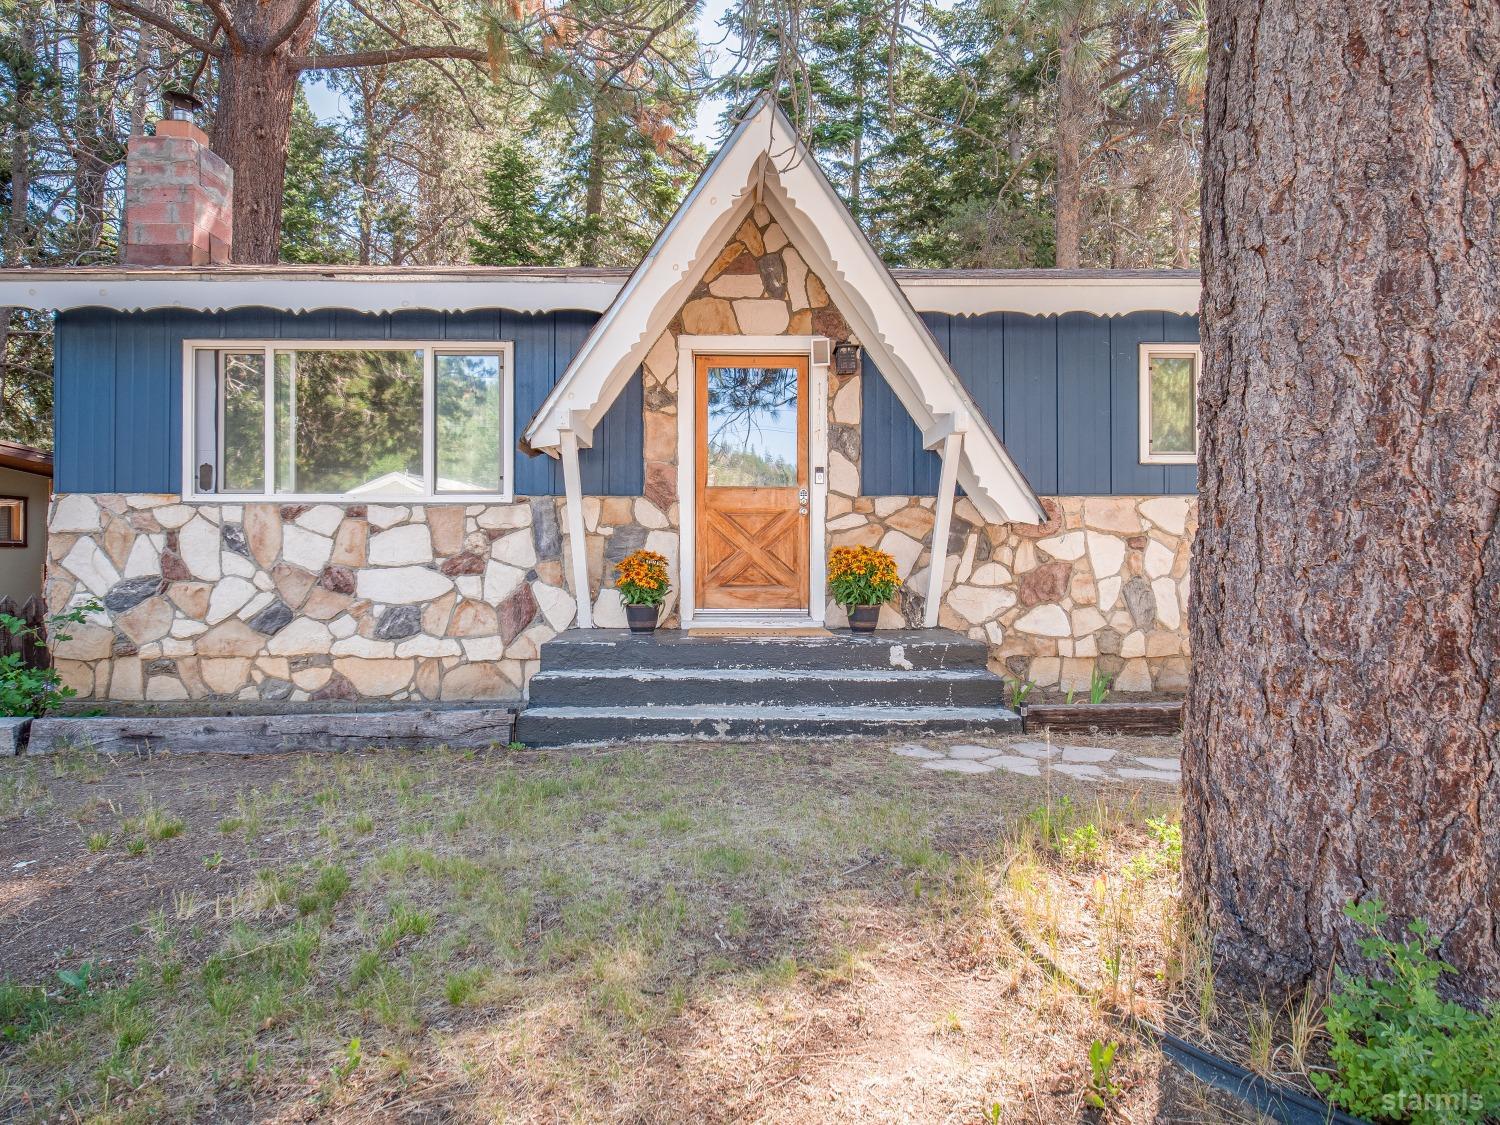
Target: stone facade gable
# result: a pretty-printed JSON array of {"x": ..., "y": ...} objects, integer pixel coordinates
[{"x": 757, "y": 285}]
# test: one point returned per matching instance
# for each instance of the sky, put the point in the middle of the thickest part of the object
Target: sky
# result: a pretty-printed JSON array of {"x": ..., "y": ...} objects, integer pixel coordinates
[{"x": 327, "y": 105}]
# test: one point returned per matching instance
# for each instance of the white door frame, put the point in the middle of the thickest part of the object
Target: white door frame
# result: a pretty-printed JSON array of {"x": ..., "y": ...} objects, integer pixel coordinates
[{"x": 688, "y": 348}]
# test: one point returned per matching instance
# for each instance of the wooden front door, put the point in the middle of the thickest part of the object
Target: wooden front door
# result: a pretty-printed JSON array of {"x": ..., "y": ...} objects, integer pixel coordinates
[{"x": 752, "y": 482}]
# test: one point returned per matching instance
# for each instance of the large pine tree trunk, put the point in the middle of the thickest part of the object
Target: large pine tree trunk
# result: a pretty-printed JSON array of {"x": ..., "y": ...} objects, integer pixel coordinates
[
  {"x": 253, "y": 123},
  {"x": 1343, "y": 737}
]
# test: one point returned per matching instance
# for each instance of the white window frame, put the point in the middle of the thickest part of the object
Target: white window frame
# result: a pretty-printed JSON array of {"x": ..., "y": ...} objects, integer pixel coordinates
[
  {"x": 430, "y": 349},
  {"x": 1169, "y": 351}
]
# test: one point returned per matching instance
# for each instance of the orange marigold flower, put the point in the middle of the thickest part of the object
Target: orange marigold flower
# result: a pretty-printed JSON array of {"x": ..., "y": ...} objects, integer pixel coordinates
[{"x": 641, "y": 578}]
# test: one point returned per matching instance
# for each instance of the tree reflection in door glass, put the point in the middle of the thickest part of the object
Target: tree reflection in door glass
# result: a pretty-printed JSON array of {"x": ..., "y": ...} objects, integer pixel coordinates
[{"x": 752, "y": 427}]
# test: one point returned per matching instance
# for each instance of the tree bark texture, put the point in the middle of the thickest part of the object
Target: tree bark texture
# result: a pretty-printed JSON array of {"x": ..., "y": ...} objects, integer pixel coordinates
[
  {"x": 253, "y": 119},
  {"x": 1343, "y": 720},
  {"x": 1072, "y": 129},
  {"x": 593, "y": 200}
]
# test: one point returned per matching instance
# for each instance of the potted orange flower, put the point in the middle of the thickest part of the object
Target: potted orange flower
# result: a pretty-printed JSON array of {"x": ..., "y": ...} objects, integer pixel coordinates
[
  {"x": 641, "y": 578},
  {"x": 862, "y": 579}
]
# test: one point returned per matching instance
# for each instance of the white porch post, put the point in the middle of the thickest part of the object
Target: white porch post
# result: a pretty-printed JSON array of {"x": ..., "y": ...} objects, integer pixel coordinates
[
  {"x": 947, "y": 486},
  {"x": 578, "y": 545}
]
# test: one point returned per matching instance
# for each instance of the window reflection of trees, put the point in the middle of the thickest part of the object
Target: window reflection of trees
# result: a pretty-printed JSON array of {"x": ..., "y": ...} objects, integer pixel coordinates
[
  {"x": 741, "y": 400},
  {"x": 1173, "y": 424},
  {"x": 468, "y": 410},
  {"x": 356, "y": 416},
  {"x": 244, "y": 421}
]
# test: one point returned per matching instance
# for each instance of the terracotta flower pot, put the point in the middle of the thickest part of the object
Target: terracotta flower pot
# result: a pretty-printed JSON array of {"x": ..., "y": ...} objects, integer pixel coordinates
[
  {"x": 862, "y": 618},
  {"x": 642, "y": 618}
]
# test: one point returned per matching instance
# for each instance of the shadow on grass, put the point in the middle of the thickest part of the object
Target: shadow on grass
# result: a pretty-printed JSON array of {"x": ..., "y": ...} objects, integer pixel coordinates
[{"x": 684, "y": 933}]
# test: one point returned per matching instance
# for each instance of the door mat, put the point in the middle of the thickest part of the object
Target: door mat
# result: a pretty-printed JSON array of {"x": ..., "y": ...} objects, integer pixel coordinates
[{"x": 804, "y": 631}]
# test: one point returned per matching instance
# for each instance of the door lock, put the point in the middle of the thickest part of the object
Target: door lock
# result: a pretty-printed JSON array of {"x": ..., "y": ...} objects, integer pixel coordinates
[{"x": 802, "y": 501}]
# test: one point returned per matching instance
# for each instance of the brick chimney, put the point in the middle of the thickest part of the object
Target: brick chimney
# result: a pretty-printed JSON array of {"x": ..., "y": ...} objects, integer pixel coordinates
[{"x": 177, "y": 199}]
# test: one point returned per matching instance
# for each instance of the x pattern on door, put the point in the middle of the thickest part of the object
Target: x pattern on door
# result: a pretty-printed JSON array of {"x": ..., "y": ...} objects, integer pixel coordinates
[{"x": 752, "y": 556}]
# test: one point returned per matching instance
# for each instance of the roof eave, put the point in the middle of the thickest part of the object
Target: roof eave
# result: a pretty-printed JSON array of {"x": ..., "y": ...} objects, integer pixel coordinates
[{"x": 25, "y": 459}]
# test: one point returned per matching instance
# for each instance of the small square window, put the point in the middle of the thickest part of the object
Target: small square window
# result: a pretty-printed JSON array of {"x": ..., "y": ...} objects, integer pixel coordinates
[
  {"x": 12, "y": 521},
  {"x": 1169, "y": 403}
]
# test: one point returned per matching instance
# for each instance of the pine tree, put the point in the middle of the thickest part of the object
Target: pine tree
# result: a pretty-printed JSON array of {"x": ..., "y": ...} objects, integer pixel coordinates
[
  {"x": 313, "y": 210},
  {"x": 957, "y": 189},
  {"x": 517, "y": 228},
  {"x": 833, "y": 80}
]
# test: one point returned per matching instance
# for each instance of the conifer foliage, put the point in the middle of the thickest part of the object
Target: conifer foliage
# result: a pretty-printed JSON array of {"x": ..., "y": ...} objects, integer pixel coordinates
[{"x": 517, "y": 227}]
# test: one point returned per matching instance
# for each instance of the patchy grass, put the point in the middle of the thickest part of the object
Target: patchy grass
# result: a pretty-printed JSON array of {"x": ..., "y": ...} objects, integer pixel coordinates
[
  {"x": 787, "y": 933},
  {"x": 1092, "y": 887}
]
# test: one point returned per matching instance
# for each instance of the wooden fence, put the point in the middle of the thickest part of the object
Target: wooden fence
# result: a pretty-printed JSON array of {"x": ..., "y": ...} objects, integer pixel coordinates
[{"x": 33, "y": 613}]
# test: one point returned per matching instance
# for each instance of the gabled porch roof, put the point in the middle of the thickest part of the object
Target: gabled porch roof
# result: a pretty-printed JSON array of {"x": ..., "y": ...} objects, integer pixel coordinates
[{"x": 764, "y": 161}]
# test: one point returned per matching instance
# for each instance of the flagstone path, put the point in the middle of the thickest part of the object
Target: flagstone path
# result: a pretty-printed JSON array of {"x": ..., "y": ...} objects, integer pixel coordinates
[{"x": 1101, "y": 764}]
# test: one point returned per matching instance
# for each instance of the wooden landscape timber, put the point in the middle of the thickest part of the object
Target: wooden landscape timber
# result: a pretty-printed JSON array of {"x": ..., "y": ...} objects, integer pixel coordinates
[
  {"x": 469, "y": 728},
  {"x": 1112, "y": 718}
]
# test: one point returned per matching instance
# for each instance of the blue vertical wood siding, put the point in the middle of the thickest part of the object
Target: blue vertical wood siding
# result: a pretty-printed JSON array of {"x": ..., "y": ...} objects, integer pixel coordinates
[
  {"x": 118, "y": 383},
  {"x": 1062, "y": 393}
]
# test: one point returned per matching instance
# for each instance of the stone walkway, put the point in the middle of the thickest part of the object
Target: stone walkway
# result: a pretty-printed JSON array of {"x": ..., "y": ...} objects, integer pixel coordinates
[{"x": 1101, "y": 764}]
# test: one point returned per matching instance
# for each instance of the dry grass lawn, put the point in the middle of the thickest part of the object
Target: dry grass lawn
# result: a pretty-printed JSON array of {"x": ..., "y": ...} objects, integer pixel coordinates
[{"x": 799, "y": 932}]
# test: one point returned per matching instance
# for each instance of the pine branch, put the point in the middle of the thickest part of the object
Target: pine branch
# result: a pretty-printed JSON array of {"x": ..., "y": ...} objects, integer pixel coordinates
[
  {"x": 288, "y": 29},
  {"x": 226, "y": 21},
  {"x": 353, "y": 59},
  {"x": 177, "y": 31}
]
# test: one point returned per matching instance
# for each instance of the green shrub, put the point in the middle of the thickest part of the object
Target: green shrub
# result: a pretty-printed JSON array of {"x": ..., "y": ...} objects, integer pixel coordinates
[
  {"x": 1402, "y": 1052},
  {"x": 25, "y": 690}
]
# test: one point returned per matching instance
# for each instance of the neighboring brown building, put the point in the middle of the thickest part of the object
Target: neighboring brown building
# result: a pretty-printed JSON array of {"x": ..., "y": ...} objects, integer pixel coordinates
[{"x": 25, "y": 489}]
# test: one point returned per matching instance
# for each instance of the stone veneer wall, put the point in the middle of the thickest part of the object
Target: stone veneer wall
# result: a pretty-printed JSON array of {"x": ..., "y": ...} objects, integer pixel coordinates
[
  {"x": 1104, "y": 582},
  {"x": 321, "y": 601}
]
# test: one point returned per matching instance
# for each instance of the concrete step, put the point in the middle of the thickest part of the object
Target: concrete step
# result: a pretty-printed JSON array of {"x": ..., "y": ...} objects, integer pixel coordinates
[
  {"x": 571, "y": 726},
  {"x": 895, "y": 649},
  {"x": 640, "y": 687}
]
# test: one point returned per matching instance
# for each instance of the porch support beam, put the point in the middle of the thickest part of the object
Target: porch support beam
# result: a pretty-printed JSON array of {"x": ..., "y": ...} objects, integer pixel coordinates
[
  {"x": 577, "y": 544},
  {"x": 953, "y": 445}
]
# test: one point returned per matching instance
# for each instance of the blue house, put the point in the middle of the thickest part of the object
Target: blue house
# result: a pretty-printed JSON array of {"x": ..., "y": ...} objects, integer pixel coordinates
[{"x": 352, "y": 483}]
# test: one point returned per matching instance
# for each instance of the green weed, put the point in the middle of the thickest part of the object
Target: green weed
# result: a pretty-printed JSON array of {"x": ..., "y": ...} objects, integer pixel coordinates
[
  {"x": 1402, "y": 1051},
  {"x": 1099, "y": 685},
  {"x": 1103, "y": 1089}
]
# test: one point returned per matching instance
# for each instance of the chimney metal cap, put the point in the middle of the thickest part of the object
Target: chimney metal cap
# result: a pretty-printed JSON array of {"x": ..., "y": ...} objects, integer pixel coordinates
[{"x": 181, "y": 103}]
